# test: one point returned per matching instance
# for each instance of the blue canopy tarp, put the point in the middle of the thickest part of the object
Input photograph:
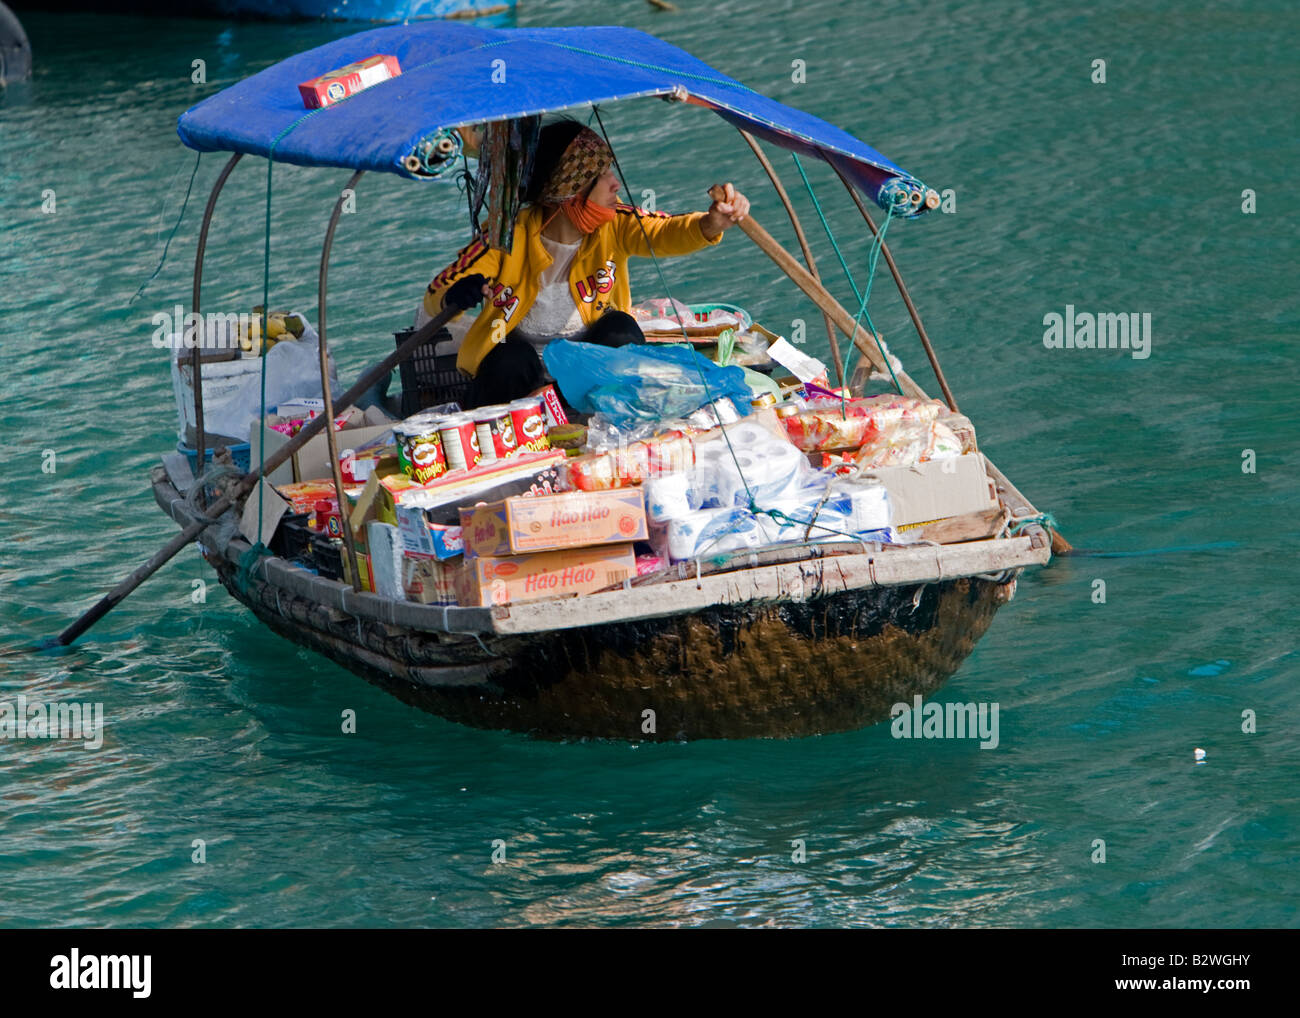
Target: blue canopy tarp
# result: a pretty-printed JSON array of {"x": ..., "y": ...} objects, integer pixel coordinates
[{"x": 456, "y": 74}]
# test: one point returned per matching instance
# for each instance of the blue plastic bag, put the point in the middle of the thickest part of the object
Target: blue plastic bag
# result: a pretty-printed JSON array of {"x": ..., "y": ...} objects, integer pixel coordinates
[{"x": 637, "y": 383}]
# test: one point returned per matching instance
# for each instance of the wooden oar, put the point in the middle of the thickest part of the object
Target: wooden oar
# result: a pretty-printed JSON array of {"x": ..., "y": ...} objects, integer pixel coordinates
[
  {"x": 820, "y": 296},
  {"x": 246, "y": 484}
]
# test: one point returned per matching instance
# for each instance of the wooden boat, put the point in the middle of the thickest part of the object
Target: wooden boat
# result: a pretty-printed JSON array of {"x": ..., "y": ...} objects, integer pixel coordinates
[{"x": 791, "y": 640}]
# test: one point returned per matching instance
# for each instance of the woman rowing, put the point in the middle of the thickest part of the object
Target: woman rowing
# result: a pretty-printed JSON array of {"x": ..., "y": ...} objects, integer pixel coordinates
[{"x": 565, "y": 275}]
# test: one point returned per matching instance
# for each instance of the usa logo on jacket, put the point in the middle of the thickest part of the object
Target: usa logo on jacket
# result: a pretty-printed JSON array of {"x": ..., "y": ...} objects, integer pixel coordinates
[{"x": 601, "y": 282}]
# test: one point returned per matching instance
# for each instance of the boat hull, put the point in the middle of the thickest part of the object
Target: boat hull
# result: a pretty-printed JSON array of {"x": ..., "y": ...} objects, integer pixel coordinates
[{"x": 783, "y": 669}]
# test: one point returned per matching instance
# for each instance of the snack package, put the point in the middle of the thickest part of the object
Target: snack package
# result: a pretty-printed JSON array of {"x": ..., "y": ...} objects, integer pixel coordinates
[
  {"x": 632, "y": 464},
  {"x": 909, "y": 442}
]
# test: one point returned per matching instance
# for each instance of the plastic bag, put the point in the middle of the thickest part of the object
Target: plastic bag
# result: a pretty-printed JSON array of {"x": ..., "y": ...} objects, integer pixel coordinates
[
  {"x": 635, "y": 383},
  {"x": 233, "y": 403},
  {"x": 910, "y": 442}
]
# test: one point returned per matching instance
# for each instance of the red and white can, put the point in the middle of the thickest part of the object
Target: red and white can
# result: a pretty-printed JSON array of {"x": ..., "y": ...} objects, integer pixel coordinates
[
  {"x": 459, "y": 441},
  {"x": 529, "y": 421},
  {"x": 496, "y": 432},
  {"x": 555, "y": 415}
]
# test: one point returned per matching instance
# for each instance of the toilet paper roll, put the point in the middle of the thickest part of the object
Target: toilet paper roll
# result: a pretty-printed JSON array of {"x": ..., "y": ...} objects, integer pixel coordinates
[
  {"x": 748, "y": 434},
  {"x": 667, "y": 497}
]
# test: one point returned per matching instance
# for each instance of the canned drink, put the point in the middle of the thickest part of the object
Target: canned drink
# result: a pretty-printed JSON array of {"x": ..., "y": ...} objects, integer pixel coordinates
[
  {"x": 496, "y": 432},
  {"x": 529, "y": 422},
  {"x": 419, "y": 450},
  {"x": 764, "y": 400},
  {"x": 459, "y": 442},
  {"x": 787, "y": 409}
]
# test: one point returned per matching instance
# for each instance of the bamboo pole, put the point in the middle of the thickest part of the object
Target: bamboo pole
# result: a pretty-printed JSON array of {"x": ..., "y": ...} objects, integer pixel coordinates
[
  {"x": 196, "y": 362},
  {"x": 310, "y": 430},
  {"x": 902, "y": 289},
  {"x": 803, "y": 244},
  {"x": 331, "y": 439}
]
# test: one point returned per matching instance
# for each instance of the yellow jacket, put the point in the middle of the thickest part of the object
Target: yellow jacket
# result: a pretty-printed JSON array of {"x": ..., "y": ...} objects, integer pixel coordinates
[{"x": 597, "y": 277}]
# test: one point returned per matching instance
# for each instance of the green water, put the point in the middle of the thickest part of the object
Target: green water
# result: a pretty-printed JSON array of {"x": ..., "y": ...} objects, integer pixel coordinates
[{"x": 1123, "y": 196}]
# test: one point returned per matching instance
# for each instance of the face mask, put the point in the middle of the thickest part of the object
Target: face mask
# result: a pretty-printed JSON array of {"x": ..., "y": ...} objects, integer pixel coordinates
[{"x": 585, "y": 214}]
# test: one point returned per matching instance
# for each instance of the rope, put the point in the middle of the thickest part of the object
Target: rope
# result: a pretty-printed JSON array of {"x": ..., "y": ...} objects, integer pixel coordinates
[
  {"x": 247, "y": 563},
  {"x": 677, "y": 314},
  {"x": 1046, "y": 520},
  {"x": 168, "y": 244}
]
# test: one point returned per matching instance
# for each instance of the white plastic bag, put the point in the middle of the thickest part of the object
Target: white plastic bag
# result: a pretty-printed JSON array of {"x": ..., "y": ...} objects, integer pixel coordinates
[{"x": 234, "y": 405}]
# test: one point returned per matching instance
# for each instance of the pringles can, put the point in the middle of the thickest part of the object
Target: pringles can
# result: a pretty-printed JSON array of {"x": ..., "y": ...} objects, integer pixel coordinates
[
  {"x": 419, "y": 450},
  {"x": 496, "y": 432},
  {"x": 459, "y": 441},
  {"x": 529, "y": 422}
]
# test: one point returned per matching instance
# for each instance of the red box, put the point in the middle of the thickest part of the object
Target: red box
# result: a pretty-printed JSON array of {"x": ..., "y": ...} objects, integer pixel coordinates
[{"x": 335, "y": 86}]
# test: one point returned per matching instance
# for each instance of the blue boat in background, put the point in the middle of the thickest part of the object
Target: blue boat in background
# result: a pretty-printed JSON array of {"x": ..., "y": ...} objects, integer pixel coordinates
[
  {"x": 500, "y": 12},
  {"x": 356, "y": 10}
]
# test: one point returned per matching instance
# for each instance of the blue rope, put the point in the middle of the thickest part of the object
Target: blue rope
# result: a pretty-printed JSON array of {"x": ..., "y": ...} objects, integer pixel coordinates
[
  {"x": 664, "y": 281},
  {"x": 1046, "y": 520}
]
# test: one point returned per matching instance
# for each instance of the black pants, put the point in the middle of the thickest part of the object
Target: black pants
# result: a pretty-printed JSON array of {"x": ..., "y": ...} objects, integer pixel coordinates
[{"x": 512, "y": 370}]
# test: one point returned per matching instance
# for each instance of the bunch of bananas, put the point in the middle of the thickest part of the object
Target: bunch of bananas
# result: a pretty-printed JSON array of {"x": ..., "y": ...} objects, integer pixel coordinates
[{"x": 280, "y": 326}]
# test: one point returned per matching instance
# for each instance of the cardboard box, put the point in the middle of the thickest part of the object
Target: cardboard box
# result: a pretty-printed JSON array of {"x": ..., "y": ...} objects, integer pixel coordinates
[
  {"x": 428, "y": 581},
  {"x": 335, "y": 86},
  {"x": 431, "y": 540},
  {"x": 312, "y": 461},
  {"x": 937, "y": 489},
  {"x": 302, "y": 498},
  {"x": 441, "y": 500},
  {"x": 367, "y": 576},
  {"x": 492, "y": 580},
  {"x": 428, "y": 516},
  {"x": 573, "y": 519}
]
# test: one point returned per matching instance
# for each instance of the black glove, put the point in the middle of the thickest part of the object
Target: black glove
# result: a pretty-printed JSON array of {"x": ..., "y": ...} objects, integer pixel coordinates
[{"x": 465, "y": 293}]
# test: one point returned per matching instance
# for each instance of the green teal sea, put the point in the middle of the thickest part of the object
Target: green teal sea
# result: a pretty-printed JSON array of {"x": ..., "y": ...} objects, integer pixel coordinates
[{"x": 1126, "y": 195}]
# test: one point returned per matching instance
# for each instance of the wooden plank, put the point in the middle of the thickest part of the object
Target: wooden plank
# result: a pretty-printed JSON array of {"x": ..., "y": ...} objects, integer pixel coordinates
[
  {"x": 891, "y": 567},
  {"x": 177, "y": 465},
  {"x": 452, "y": 619},
  {"x": 978, "y": 526},
  {"x": 1020, "y": 507}
]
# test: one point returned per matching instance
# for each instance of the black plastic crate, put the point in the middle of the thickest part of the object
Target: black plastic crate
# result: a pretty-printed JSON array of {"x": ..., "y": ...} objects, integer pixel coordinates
[
  {"x": 292, "y": 538},
  {"x": 327, "y": 557},
  {"x": 427, "y": 379},
  {"x": 297, "y": 542}
]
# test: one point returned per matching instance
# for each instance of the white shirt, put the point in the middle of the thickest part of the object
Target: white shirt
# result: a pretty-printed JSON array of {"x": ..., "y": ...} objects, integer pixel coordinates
[{"x": 554, "y": 312}]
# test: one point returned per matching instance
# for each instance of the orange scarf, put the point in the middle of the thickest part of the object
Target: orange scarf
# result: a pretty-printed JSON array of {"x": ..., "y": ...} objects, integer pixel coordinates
[{"x": 585, "y": 214}]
